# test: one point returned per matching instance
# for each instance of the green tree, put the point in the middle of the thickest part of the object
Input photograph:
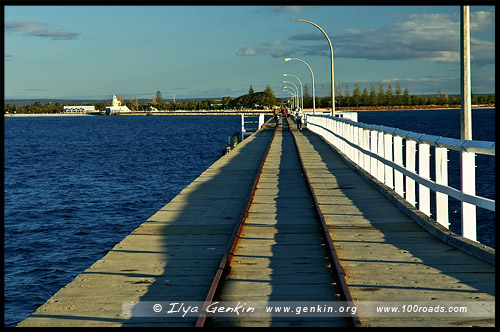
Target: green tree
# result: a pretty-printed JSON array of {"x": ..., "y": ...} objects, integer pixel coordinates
[
  {"x": 269, "y": 97},
  {"x": 250, "y": 91},
  {"x": 348, "y": 99},
  {"x": 356, "y": 95},
  {"x": 307, "y": 97},
  {"x": 406, "y": 97},
  {"x": 159, "y": 98},
  {"x": 340, "y": 97},
  {"x": 364, "y": 97},
  {"x": 380, "y": 94},
  {"x": 389, "y": 96},
  {"x": 439, "y": 98},
  {"x": 226, "y": 101},
  {"x": 373, "y": 100},
  {"x": 399, "y": 97}
]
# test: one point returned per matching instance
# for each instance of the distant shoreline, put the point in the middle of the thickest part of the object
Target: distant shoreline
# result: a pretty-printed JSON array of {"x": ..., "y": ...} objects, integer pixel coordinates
[
  {"x": 308, "y": 110},
  {"x": 43, "y": 114}
]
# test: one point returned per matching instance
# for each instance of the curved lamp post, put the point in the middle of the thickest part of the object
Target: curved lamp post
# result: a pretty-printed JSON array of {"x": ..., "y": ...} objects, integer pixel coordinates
[
  {"x": 292, "y": 100},
  {"x": 301, "y": 90},
  {"x": 296, "y": 89},
  {"x": 331, "y": 57},
  {"x": 295, "y": 92},
  {"x": 293, "y": 96},
  {"x": 312, "y": 75}
]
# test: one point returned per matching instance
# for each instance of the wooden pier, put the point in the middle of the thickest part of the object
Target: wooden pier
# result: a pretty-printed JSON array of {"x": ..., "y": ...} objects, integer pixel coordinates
[{"x": 281, "y": 254}]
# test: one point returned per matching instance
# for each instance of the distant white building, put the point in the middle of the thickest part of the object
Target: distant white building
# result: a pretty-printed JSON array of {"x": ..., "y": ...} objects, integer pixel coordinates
[
  {"x": 78, "y": 109},
  {"x": 116, "y": 107}
]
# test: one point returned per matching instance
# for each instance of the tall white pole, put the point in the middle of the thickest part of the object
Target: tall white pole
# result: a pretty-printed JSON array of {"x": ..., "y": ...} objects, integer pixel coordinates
[
  {"x": 465, "y": 82},
  {"x": 312, "y": 75},
  {"x": 468, "y": 166},
  {"x": 296, "y": 91},
  {"x": 301, "y": 89},
  {"x": 331, "y": 58}
]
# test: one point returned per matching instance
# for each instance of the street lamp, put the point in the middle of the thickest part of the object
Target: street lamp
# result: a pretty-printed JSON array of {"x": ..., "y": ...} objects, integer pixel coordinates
[
  {"x": 294, "y": 95},
  {"x": 331, "y": 57},
  {"x": 301, "y": 90},
  {"x": 292, "y": 100},
  {"x": 296, "y": 89},
  {"x": 312, "y": 75},
  {"x": 290, "y": 92}
]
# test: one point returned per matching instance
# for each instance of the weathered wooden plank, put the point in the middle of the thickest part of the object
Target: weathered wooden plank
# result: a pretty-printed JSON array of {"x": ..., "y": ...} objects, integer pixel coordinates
[
  {"x": 385, "y": 254},
  {"x": 172, "y": 256},
  {"x": 280, "y": 255}
]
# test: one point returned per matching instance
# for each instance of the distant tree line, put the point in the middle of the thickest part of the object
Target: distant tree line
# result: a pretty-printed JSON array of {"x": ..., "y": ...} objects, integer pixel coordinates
[
  {"x": 378, "y": 96},
  {"x": 36, "y": 108},
  {"x": 386, "y": 97}
]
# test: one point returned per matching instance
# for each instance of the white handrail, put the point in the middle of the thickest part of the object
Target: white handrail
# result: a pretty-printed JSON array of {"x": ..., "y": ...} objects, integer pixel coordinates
[
  {"x": 378, "y": 150},
  {"x": 247, "y": 132}
]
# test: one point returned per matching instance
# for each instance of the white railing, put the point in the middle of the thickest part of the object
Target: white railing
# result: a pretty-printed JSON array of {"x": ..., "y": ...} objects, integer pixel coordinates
[
  {"x": 379, "y": 151},
  {"x": 249, "y": 124}
]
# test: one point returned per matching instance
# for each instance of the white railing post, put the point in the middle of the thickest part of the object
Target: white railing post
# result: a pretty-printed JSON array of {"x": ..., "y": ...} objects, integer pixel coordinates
[
  {"x": 351, "y": 138},
  {"x": 410, "y": 165},
  {"x": 389, "y": 177},
  {"x": 341, "y": 134},
  {"x": 373, "y": 149},
  {"x": 261, "y": 121},
  {"x": 441, "y": 159},
  {"x": 361, "y": 138},
  {"x": 398, "y": 159},
  {"x": 380, "y": 153},
  {"x": 468, "y": 187},
  {"x": 424, "y": 193},
  {"x": 338, "y": 128},
  {"x": 349, "y": 135},
  {"x": 366, "y": 146},
  {"x": 242, "y": 127}
]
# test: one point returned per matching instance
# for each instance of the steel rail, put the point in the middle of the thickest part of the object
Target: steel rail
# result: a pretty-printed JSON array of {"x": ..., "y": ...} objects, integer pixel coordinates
[
  {"x": 224, "y": 265},
  {"x": 336, "y": 267}
]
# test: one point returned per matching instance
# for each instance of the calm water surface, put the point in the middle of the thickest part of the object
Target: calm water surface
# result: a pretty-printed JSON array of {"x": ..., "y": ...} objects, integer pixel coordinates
[{"x": 76, "y": 186}]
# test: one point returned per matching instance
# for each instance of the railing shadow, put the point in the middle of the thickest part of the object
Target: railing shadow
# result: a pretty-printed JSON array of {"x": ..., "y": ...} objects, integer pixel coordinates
[
  {"x": 296, "y": 276},
  {"x": 414, "y": 245},
  {"x": 171, "y": 257}
]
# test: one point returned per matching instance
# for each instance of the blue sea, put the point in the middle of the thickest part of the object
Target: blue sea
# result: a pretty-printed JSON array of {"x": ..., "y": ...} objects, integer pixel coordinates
[{"x": 76, "y": 186}]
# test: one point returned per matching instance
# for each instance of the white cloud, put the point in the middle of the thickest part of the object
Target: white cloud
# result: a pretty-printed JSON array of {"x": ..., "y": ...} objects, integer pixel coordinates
[
  {"x": 39, "y": 29},
  {"x": 434, "y": 37},
  {"x": 249, "y": 51},
  {"x": 481, "y": 20},
  {"x": 274, "y": 48}
]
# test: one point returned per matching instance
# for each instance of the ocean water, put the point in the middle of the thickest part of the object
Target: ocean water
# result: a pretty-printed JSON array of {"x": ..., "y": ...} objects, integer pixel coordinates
[{"x": 76, "y": 186}]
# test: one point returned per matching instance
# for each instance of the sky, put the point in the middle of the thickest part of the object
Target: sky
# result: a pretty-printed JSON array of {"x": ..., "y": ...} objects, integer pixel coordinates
[{"x": 216, "y": 51}]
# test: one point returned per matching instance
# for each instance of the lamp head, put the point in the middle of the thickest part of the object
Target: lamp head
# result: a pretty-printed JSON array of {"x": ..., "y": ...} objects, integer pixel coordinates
[
  {"x": 285, "y": 75},
  {"x": 288, "y": 59}
]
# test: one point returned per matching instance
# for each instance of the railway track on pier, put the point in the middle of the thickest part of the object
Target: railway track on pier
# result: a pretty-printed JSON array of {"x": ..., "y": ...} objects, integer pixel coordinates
[{"x": 280, "y": 251}]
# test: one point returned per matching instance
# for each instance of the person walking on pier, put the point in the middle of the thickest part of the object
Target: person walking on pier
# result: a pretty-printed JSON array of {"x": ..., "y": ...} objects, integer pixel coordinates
[{"x": 299, "y": 119}]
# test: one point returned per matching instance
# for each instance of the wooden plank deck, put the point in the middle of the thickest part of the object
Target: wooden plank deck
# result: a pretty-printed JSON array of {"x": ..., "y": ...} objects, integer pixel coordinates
[
  {"x": 171, "y": 256},
  {"x": 280, "y": 255},
  {"x": 174, "y": 254},
  {"x": 387, "y": 256}
]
